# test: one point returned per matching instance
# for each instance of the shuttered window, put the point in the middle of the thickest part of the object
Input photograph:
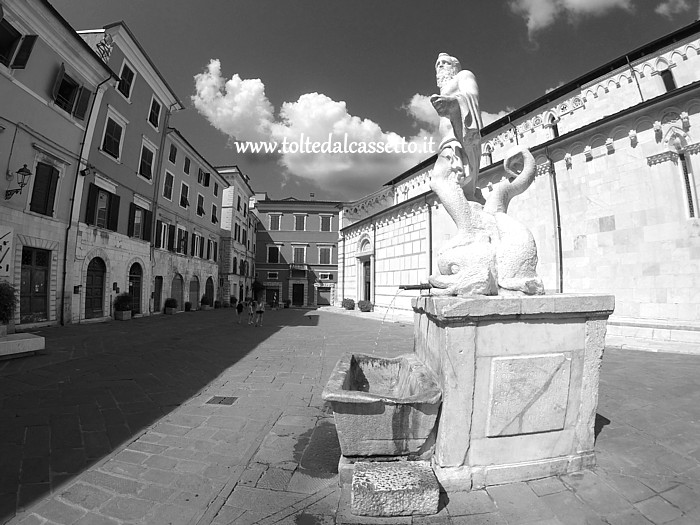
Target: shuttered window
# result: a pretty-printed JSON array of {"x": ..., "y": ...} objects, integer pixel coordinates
[
  {"x": 44, "y": 190},
  {"x": 102, "y": 208}
]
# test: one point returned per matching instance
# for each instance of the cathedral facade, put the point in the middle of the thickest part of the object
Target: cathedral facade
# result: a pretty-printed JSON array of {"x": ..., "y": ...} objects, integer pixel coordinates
[{"x": 613, "y": 207}]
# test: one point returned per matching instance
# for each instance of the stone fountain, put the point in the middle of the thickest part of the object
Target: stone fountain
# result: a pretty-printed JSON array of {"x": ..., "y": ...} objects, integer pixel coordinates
[{"x": 518, "y": 370}]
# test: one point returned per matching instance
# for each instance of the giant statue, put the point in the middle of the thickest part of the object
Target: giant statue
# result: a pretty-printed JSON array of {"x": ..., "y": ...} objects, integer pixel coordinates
[{"x": 492, "y": 253}]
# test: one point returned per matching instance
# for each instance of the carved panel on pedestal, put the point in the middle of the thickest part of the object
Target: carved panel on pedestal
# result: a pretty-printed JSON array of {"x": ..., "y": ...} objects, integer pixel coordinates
[{"x": 528, "y": 394}]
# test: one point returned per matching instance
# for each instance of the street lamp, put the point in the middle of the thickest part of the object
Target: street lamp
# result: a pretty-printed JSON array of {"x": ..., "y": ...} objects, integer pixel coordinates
[{"x": 23, "y": 175}]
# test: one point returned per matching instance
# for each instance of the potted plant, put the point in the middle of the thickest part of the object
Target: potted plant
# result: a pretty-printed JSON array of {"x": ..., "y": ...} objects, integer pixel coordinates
[
  {"x": 348, "y": 304},
  {"x": 365, "y": 306},
  {"x": 8, "y": 303},
  {"x": 170, "y": 305},
  {"x": 188, "y": 306},
  {"x": 205, "y": 304},
  {"x": 122, "y": 307}
]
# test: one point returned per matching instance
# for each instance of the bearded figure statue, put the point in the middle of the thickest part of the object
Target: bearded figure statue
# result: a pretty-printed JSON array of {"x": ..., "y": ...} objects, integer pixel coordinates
[{"x": 491, "y": 253}]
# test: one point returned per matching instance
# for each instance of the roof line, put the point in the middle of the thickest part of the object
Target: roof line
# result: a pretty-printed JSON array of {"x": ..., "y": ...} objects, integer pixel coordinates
[
  {"x": 148, "y": 58},
  {"x": 83, "y": 43},
  {"x": 614, "y": 64}
]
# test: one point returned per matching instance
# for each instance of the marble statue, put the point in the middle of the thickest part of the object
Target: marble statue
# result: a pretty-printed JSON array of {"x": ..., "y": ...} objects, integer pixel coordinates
[{"x": 492, "y": 253}]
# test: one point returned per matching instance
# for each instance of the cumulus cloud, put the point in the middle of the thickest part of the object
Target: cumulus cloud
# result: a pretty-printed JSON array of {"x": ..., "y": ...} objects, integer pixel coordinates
[
  {"x": 487, "y": 118},
  {"x": 237, "y": 107},
  {"x": 539, "y": 14},
  {"x": 240, "y": 109},
  {"x": 669, "y": 8}
]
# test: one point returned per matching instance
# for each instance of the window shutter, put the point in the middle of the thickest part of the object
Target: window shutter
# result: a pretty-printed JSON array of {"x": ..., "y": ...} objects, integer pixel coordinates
[
  {"x": 51, "y": 198},
  {"x": 159, "y": 232},
  {"x": 184, "y": 242},
  {"x": 171, "y": 237},
  {"x": 113, "y": 220},
  {"x": 206, "y": 179},
  {"x": 132, "y": 217},
  {"x": 25, "y": 49},
  {"x": 192, "y": 245},
  {"x": 91, "y": 202},
  {"x": 57, "y": 84},
  {"x": 147, "y": 220},
  {"x": 201, "y": 247},
  {"x": 81, "y": 106},
  {"x": 216, "y": 246},
  {"x": 42, "y": 181},
  {"x": 208, "y": 249}
]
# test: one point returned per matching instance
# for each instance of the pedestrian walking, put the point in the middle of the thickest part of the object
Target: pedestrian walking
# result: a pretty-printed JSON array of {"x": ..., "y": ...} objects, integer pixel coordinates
[
  {"x": 239, "y": 310},
  {"x": 259, "y": 311},
  {"x": 251, "y": 311}
]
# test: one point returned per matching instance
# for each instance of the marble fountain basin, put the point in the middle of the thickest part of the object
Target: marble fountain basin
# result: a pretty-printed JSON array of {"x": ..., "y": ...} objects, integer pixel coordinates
[{"x": 382, "y": 406}]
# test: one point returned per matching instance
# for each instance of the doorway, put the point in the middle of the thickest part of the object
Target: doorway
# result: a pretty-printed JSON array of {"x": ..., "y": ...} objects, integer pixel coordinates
[
  {"x": 135, "y": 287},
  {"x": 157, "y": 293},
  {"x": 367, "y": 279},
  {"x": 194, "y": 293},
  {"x": 34, "y": 286},
  {"x": 298, "y": 294},
  {"x": 176, "y": 291},
  {"x": 95, "y": 289}
]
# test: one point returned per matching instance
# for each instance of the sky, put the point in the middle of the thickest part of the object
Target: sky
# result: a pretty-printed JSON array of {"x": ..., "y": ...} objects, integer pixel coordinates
[{"x": 270, "y": 70}]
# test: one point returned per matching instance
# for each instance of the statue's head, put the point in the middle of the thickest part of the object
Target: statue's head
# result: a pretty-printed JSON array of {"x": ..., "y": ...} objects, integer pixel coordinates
[{"x": 446, "y": 67}]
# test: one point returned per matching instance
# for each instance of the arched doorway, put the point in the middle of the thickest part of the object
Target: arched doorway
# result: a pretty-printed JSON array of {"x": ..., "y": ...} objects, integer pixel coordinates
[
  {"x": 135, "y": 287},
  {"x": 194, "y": 292},
  {"x": 176, "y": 291},
  {"x": 95, "y": 288},
  {"x": 209, "y": 290}
]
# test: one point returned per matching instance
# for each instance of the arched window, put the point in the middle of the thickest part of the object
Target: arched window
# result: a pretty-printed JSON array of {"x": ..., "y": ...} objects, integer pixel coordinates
[
  {"x": 487, "y": 159},
  {"x": 669, "y": 81},
  {"x": 554, "y": 126}
]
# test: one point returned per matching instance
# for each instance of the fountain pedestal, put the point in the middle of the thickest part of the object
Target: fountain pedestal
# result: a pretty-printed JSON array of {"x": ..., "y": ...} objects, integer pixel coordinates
[{"x": 519, "y": 377}]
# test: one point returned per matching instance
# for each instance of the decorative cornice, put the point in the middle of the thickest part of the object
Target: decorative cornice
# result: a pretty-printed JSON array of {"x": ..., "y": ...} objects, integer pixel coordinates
[
  {"x": 662, "y": 157},
  {"x": 544, "y": 169}
]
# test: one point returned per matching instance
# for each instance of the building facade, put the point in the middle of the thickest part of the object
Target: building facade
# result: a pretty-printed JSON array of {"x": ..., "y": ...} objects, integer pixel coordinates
[
  {"x": 50, "y": 81},
  {"x": 187, "y": 226},
  {"x": 116, "y": 195},
  {"x": 297, "y": 250},
  {"x": 613, "y": 207},
  {"x": 239, "y": 227}
]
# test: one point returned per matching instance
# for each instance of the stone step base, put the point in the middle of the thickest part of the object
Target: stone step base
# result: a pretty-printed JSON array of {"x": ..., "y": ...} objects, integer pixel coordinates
[
  {"x": 402, "y": 488},
  {"x": 16, "y": 345}
]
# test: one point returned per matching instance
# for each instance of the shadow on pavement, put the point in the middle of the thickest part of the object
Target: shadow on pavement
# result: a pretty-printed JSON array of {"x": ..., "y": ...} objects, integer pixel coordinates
[{"x": 97, "y": 386}]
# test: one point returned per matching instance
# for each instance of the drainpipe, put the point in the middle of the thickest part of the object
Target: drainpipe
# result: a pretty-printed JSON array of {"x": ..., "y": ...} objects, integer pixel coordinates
[
  {"x": 430, "y": 236},
  {"x": 634, "y": 76},
  {"x": 515, "y": 131},
  {"x": 373, "y": 260},
  {"x": 84, "y": 152},
  {"x": 156, "y": 187},
  {"x": 557, "y": 221},
  {"x": 342, "y": 282}
]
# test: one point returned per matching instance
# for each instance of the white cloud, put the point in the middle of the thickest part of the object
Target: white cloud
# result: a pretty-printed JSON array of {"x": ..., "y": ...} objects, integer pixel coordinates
[
  {"x": 542, "y": 13},
  {"x": 669, "y": 8},
  {"x": 237, "y": 107},
  {"x": 487, "y": 118},
  {"x": 420, "y": 108},
  {"x": 548, "y": 90},
  {"x": 240, "y": 109}
]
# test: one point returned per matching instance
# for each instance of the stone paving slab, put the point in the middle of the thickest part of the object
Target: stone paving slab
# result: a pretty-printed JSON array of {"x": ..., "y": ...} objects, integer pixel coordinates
[{"x": 110, "y": 424}]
